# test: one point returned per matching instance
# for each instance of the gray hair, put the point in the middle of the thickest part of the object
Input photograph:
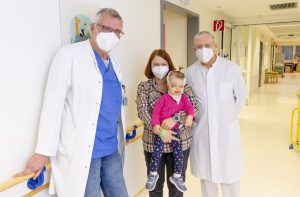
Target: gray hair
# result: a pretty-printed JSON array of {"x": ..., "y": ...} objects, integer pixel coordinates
[
  {"x": 202, "y": 33},
  {"x": 107, "y": 11}
]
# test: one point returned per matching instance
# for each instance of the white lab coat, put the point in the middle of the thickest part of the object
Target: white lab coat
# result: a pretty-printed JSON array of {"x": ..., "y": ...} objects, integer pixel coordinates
[
  {"x": 216, "y": 146},
  {"x": 69, "y": 117}
]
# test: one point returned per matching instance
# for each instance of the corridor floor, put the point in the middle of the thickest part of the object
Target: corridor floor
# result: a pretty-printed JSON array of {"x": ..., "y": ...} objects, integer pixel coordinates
[{"x": 271, "y": 169}]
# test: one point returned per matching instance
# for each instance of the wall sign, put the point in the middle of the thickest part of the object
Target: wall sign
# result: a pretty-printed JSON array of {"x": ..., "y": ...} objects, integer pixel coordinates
[{"x": 219, "y": 25}]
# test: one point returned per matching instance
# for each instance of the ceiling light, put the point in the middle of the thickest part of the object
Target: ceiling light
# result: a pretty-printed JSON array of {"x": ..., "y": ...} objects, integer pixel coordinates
[
  {"x": 283, "y": 6},
  {"x": 289, "y": 33},
  {"x": 289, "y": 25},
  {"x": 184, "y": 2}
]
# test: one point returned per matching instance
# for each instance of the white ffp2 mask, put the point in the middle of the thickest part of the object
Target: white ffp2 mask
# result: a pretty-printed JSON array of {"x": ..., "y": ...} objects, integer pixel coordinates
[
  {"x": 204, "y": 54},
  {"x": 160, "y": 71},
  {"x": 107, "y": 41}
]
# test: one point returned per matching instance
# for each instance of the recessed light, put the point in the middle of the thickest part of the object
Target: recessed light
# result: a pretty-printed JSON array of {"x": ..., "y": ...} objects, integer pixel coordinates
[{"x": 288, "y": 25}]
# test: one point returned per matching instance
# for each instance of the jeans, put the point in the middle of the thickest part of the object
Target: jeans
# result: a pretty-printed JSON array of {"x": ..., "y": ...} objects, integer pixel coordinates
[
  {"x": 166, "y": 162},
  {"x": 106, "y": 173}
]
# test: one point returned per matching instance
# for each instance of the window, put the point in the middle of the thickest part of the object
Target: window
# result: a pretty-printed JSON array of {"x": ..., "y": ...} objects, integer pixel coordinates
[
  {"x": 298, "y": 51},
  {"x": 288, "y": 52}
]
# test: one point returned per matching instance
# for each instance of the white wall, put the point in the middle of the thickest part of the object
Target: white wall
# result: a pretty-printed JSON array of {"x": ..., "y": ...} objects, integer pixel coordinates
[
  {"x": 176, "y": 37},
  {"x": 259, "y": 35},
  {"x": 31, "y": 34},
  {"x": 240, "y": 34},
  {"x": 250, "y": 38}
]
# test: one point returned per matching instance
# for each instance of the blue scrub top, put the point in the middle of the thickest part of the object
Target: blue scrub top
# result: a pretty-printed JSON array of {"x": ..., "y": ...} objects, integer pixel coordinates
[{"x": 106, "y": 141}]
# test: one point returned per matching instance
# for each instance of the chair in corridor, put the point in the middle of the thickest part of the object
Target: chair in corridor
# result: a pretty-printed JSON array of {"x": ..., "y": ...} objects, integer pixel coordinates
[
  {"x": 279, "y": 67},
  {"x": 271, "y": 76}
]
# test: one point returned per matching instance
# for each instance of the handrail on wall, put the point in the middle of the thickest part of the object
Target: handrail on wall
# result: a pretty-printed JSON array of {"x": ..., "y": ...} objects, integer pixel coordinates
[
  {"x": 129, "y": 129},
  {"x": 37, "y": 190},
  {"x": 131, "y": 133},
  {"x": 16, "y": 180}
]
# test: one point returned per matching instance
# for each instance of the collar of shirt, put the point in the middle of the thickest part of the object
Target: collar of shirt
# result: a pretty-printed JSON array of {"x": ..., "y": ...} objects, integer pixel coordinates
[
  {"x": 99, "y": 58},
  {"x": 176, "y": 98},
  {"x": 106, "y": 62},
  {"x": 213, "y": 66}
]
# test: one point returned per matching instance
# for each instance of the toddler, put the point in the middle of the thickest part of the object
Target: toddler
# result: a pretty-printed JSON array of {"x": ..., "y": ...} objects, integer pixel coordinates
[{"x": 167, "y": 106}]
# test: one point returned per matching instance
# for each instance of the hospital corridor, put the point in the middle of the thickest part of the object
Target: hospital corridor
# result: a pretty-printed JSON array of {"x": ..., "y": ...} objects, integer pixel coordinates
[
  {"x": 269, "y": 163},
  {"x": 114, "y": 98}
]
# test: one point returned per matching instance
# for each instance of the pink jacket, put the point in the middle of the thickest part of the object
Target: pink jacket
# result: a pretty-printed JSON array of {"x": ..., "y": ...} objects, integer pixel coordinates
[{"x": 166, "y": 107}]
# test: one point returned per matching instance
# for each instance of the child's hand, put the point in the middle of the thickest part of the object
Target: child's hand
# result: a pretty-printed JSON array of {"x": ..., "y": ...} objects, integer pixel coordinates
[
  {"x": 189, "y": 121},
  {"x": 156, "y": 129}
]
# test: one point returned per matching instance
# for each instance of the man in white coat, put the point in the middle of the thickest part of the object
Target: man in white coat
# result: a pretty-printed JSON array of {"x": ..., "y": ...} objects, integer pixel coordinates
[
  {"x": 216, "y": 148},
  {"x": 82, "y": 127}
]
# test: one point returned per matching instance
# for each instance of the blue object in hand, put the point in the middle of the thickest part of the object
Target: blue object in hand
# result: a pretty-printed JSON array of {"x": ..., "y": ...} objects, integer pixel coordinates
[{"x": 33, "y": 184}]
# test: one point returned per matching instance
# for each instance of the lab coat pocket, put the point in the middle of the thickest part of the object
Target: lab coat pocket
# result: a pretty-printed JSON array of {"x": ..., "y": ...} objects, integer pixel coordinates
[
  {"x": 226, "y": 91},
  {"x": 66, "y": 142}
]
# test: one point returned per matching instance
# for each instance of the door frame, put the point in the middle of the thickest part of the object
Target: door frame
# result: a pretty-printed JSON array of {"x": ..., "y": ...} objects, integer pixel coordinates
[
  {"x": 192, "y": 27},
  {"x": 261, "y": 48}
]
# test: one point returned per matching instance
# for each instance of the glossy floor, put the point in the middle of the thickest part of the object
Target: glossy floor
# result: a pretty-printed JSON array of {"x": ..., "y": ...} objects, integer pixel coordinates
[{"x": 271, "y": 169}]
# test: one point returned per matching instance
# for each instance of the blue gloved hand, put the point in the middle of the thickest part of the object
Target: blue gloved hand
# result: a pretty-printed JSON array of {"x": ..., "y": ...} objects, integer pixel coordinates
[{"x": 33, "y": 184}]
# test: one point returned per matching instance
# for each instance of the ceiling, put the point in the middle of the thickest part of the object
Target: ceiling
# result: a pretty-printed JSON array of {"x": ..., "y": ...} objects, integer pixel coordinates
[
  {"x": 285, "y": 23},
  {"x": 248, "y": 8},
  {"x": 286, "y": 31}
]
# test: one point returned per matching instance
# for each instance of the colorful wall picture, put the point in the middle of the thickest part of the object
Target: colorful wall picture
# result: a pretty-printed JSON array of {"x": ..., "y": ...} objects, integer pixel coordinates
[{"x": 80, "y": 28}]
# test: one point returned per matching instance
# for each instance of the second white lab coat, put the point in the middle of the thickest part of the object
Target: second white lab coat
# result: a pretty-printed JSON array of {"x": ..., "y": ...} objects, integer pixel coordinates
[
  {"x": 216, "y": 146},
  {"x": 69, "y": 117}
]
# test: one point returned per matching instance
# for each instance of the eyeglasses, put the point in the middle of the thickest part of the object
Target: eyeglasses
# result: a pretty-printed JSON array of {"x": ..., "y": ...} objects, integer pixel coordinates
[
  {"x": 206, "y": 46},
  {"x": 108, "y": 29}
]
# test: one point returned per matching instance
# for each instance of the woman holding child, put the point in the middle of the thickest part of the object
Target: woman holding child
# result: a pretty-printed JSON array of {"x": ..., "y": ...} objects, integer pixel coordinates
[{"x": 148, "y": 93}]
